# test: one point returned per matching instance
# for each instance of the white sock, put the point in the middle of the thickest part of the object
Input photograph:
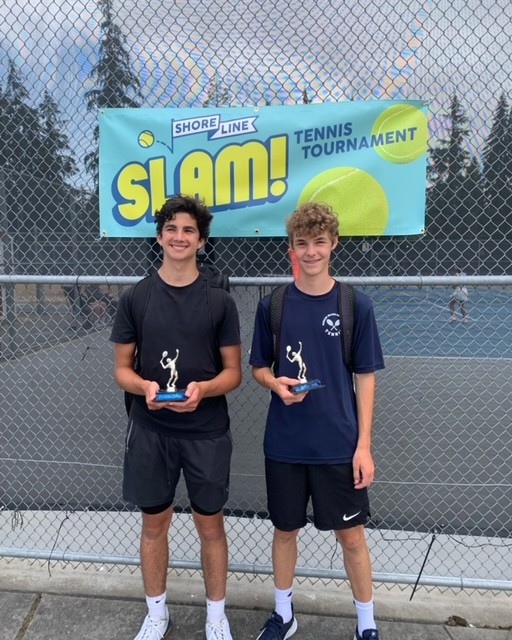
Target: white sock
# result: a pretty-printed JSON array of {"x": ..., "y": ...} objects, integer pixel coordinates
[
  {"x": 365, "y": 619},
  {"x": 215, "y": 610},
  {"x": 156, "y": 606},
  {"x": 284, "y": 603}
]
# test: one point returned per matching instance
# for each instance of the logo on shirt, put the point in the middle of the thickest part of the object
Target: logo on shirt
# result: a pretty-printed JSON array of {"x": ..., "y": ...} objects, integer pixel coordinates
[{"x": 332, "y": 324}]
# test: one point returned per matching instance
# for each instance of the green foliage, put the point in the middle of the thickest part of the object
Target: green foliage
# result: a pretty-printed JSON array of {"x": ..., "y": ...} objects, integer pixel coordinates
[
  {"x": 218, "y": 94},
  {"x": 116, "y": 85},
  {"x": 19, "y": 125},
  {"x": 55, "y": 154},
  {"x": 497, "y": 169},
  {"x": 455, "y": 195},
  {"x": 32, "y": 141}
]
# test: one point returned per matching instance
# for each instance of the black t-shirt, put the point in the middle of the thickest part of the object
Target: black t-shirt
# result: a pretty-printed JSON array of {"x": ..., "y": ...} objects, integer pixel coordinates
[{"x": 177, "y": 321}]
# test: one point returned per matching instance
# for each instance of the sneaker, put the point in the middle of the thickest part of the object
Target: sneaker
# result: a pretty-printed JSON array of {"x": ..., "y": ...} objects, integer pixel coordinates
[
  {"x": 465, "y": 320},
  {"x": 218, "y": 630},
  {"x": 453, "y": 318},
  {"x": 154, "y": 629},
  {"x": 368, "y": 634},
  {"x": 275, "y": 629}
]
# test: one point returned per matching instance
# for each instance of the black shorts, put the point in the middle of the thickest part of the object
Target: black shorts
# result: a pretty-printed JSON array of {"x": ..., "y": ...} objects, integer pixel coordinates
[
  {"x": 153, "y": 463},
  {"x": 336, "y": 503}
]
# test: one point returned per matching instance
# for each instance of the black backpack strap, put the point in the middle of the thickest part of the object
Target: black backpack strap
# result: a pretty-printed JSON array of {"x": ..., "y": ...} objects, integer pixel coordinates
[
  {"x": 139, "y": 300},
  {"x": 216, "y": 300},
  {"x": 346, "y": 310},
  {"x": 277, "y": 300},
  {"x": 138, "y": 304}
]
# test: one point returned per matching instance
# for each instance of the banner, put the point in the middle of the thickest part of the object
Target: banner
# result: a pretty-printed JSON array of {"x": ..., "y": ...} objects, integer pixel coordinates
[{"x": 254, "y": 165}]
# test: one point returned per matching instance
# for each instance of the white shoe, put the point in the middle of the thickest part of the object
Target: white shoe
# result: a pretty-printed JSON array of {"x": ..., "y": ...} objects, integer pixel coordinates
[
  {"x": 218, "y": 630},
  {"x": 154, "y": 629}
]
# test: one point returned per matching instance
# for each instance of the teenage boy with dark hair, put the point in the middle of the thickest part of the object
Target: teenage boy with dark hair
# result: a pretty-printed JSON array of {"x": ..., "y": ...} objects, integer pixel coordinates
[
  {"x": 317, "y": 444},
  {"x": 190, "y": 436}
]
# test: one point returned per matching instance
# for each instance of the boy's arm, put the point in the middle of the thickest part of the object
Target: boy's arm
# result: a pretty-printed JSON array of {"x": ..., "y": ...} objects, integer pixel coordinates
[{"x": 362, "y": 462}]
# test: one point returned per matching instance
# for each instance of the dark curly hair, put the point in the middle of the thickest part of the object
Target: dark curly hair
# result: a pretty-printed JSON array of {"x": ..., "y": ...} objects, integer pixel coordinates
[{"x": 184, "y": 204}]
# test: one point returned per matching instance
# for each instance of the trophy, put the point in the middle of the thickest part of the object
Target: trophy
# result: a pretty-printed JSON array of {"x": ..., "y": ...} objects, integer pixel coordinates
[
  {"x": 170, "y": 393},
  {"x": 304, "y": 384}
]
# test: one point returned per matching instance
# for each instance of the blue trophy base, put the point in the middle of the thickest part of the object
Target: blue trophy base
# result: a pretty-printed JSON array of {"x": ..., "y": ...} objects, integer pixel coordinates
[
  {"x": 310, "y": 385},
  {"x": 171, "y": 396}
]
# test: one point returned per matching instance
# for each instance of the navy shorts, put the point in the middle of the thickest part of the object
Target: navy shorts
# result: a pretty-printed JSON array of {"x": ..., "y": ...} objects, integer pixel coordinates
[
  {"x": 153, "y": 463},
  {"x": 336, "y": 503}
]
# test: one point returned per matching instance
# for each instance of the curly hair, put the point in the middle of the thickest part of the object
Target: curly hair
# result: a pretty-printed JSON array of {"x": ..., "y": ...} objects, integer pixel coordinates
[
  {"x": 184, "y": 204},
  {"x": 312, "y": 219}
]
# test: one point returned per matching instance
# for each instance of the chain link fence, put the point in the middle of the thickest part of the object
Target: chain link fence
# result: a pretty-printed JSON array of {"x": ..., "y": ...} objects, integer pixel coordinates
[
  {"x": 441, "y": 435},
  {"x": 442, "y": 442}
]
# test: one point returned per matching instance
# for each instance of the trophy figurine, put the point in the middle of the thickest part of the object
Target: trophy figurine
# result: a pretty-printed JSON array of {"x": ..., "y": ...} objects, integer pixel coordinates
[
  {"x": 304, "y": 384},
  {"x": 170, "y": 393}
]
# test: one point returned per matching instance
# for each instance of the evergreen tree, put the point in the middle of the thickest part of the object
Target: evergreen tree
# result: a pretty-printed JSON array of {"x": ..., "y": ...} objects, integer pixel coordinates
[
  {"x": 497, "y": 172},
  {"x": 56, "y": 161},
  {"x": 305, "y": 98},
  {"x": 473, "y": 201},
  {"x": 116, "y": 85},
  {"x": 218, "y": 94},
  {"x": 19, "y": 125},
  {"x": 454, "y": 175},
  {"x": 4, "y": 119}
]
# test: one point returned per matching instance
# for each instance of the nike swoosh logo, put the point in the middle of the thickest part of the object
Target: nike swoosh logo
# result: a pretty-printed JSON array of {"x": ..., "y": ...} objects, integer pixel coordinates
[{"x": 347, "y": 518}]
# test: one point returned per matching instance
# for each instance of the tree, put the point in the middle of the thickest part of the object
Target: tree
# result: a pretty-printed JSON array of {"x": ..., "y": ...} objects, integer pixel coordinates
[
  {"x": 453, "y": 203},
  {"x": 305, "y": 98},
  {"x": 19, "y": 125},
  {"x": 497, "y": 171},
  {"x": 56, "y": 163},
  {"x": 116, "y": 85},
  {"x": 218, "y": 94}
]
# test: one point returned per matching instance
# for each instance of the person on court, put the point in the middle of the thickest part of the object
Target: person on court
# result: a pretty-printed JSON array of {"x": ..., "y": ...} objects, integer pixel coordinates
[
  {"x": 165, "y": 439},
  {"x": 317, "y": 444},
  {"x": 458, "y": 298}
]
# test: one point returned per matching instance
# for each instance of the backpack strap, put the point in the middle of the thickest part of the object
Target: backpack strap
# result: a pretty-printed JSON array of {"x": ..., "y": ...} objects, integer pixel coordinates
[
  {"x": 216, "y": 301},
  {"x": 277, "y": 300},
  {"x": 138, "y": 304},
  {"x": 346, "y": 310},
  {"x": 139, "y": 300}
]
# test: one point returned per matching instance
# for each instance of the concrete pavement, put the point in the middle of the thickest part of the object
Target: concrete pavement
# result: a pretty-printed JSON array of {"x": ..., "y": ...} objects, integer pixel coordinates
[{"x": 38, "y": 602}]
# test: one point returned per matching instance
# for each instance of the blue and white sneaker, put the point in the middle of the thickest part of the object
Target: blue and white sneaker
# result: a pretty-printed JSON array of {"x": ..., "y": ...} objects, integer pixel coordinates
[
  {"x": 368, "y": 634},
  {"x": 275, "y": 629}
]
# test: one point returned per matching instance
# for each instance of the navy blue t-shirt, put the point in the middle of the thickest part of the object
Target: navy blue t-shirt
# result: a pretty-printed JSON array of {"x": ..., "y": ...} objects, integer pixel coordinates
[{"x": 323, "y": 428}]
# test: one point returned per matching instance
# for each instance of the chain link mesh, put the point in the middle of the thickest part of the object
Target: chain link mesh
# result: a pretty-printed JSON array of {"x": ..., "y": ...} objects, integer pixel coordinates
[{"x": 441, "y": 428}]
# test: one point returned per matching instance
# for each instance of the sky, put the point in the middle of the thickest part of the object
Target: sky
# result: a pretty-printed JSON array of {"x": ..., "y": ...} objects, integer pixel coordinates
[{"x": 269, "y": 52}]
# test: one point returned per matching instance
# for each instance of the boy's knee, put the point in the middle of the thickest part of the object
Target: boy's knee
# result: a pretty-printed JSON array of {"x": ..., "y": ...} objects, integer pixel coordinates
[{"x": 352, "y": 539}]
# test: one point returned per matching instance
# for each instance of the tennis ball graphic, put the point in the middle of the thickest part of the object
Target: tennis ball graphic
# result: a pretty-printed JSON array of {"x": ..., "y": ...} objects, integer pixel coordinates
[
  {"x": 146, "y": 139},
  {"x": 355, "y": 196},
  {"x": 406, "y": 128}
]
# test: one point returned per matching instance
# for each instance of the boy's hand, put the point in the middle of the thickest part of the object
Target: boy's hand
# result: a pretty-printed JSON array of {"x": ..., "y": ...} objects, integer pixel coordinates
[{"x": 283, "y": 386}]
